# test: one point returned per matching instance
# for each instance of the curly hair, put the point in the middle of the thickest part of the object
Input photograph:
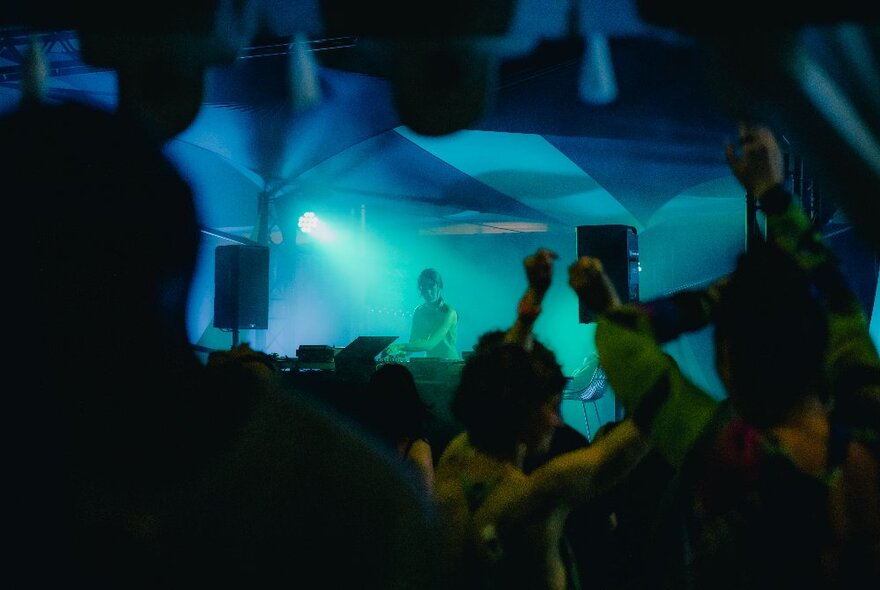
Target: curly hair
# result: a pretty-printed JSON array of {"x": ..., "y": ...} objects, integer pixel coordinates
[{"x": 500, "y": 386}]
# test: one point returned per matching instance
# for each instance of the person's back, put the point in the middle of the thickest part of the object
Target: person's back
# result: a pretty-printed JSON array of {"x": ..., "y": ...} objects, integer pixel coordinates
[
  {"x": 771, "y": 492},
  {"x": 506, "y": 528},
  {"x": 790, "y": 488},
  {"x": 148, "y": 468},
  {"x": 774, "y": 489},
  {"x": 500, "y": 549},
  {"x": 614, "y": 537},
  {"x": 101, "y": 298},
  {"x": 784, "y": 512},
  {"x": 265, "y": 488}
]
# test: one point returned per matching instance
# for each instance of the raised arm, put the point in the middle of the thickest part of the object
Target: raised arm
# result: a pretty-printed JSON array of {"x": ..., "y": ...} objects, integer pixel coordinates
[
  {"x": 586, "y": 473},
  {"x": 760, "y": 166},
  {"x": 586, "y": 276},
  {"x": 668, "y": 316},
  {"x": 852, "y": 362},
  {"x": 658, "y": 398},
  {"x": 539, "y": 274}
]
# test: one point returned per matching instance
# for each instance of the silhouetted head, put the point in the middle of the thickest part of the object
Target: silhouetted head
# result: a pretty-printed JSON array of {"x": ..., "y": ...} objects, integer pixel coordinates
[
  {"x": 108, "y": 236},
  {"x": 111, "y": 236},
  {"x": 394, "y": 407},
  {"x": 771, "y": 334},
  {"x": 509, "y": 396}
]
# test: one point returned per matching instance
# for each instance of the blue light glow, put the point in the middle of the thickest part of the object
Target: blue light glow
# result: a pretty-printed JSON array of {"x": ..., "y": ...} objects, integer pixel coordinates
[{"x": 308, "y": 222}]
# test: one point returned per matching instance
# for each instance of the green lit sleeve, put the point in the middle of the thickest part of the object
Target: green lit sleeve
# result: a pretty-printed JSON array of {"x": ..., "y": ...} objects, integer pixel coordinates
[
  {"x": 852, "y": 363},
  {"x": 665, "y": 405}
]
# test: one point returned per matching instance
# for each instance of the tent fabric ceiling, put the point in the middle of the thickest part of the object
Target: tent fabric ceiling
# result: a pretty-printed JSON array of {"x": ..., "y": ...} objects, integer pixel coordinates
[
  {"x": 415, "y": 175},
  {"x": 661, "y": 133},
  {"x": 661, "y": 136},
  {"x": 613, "y": 163},
  {"x": 532, "y": 156}
]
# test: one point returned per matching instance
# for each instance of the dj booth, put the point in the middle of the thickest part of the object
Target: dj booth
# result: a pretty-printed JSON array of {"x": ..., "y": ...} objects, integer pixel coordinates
[{"x": 339, "y": 377}]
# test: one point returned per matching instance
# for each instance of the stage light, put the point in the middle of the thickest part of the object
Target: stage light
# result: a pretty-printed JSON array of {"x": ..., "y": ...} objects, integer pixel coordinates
[
  {"x": 308, "y": 222},
  {"x": 314, "y": 230}
]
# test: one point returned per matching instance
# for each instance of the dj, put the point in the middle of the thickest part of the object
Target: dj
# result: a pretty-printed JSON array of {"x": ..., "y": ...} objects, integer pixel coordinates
[{"x": 434, "y": 324}]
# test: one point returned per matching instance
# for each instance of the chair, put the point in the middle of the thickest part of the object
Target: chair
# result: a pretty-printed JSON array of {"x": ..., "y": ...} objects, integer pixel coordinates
[{"x": 588, "y": 384}]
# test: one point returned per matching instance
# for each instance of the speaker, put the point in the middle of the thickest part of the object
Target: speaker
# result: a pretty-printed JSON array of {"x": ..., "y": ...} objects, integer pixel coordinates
[
  {"x": 617, "y": 246},
  {"x": 241, "y": 287}
]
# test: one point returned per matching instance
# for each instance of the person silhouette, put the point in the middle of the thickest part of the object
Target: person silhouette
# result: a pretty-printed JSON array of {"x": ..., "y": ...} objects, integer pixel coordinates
[
  {"x": 434, "y": 329},
  {"x": 137, "y": 465}
]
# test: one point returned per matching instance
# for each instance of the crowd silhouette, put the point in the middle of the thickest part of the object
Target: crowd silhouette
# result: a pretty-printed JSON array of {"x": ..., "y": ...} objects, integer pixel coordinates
[{"x": 176, "y": 471}]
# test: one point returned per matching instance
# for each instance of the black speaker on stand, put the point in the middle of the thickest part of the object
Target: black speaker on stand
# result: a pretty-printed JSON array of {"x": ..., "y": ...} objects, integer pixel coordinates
[
  {"x": 241, "y": 288},
  {"x": 617, "y": 246}
]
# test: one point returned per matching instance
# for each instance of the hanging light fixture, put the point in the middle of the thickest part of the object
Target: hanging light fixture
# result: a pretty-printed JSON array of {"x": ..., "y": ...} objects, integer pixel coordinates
[
  {"x": 598, "y": 84},
  {"x": 305, "y": 84},
  {"x": 34, "y": 73}
]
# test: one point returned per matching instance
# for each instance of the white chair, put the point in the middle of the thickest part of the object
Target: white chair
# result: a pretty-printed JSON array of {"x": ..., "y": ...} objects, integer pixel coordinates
[{"x": 587, "y": 384}]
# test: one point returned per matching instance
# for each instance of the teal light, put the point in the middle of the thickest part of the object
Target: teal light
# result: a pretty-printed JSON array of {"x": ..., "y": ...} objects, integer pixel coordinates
[
  {"x": 308, "y": 222},
  {"x": 314, "y": 229}
]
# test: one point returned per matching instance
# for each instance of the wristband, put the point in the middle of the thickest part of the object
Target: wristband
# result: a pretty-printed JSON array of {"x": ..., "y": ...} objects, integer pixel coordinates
[{"x": 775, "y": 200}]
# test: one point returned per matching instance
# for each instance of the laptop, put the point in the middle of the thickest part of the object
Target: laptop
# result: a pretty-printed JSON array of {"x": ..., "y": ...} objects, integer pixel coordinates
[
  {"x": 364, "y": 348},
  {"x": 357, "y": 361}
]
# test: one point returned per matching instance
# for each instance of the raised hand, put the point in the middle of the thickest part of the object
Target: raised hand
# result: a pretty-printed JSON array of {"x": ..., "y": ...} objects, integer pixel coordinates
[
  {"x": 760, "y": 165},
  {"x": 587, "y": 277},
  {"x": 393, "y": 350},
  {"x": 539, "y": 273},
  {"x": 539, "y": 269}
]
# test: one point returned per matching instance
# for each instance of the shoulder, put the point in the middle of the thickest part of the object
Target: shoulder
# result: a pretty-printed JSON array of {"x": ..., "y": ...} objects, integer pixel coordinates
[
  {"x": 419, "y": 444},
  {"x": 418, "y": 448},
  {"x": 450, "y": 470},
  {"x": 455, "y": 449},
  {"x": 861, "y": 465}
]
